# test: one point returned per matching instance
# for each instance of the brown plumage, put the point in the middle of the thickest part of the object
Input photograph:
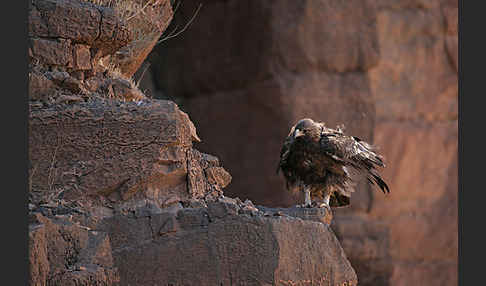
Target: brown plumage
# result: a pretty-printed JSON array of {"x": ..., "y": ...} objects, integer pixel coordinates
[{"x": 322, "y": 162}]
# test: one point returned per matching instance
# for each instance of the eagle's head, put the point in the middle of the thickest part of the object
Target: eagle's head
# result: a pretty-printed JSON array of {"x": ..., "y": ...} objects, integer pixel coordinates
[{"x": 307, "y": 129}]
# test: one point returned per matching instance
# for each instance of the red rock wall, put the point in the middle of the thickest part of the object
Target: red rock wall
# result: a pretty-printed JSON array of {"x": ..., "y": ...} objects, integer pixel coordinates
[
  {"x": 415, "y": 87},
  {"x": 246, "y": 70},
  {"x": 246, "y": 82}
]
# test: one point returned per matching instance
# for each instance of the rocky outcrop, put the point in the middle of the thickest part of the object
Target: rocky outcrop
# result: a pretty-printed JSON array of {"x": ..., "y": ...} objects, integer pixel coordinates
[
  {"x": 224, "y": 242},
  {"x": 367, "y": 243},
  {"x": 227, "y": 243},
  {"x": 62, "y": 252},
  {"x": 78, "y": 48},
  {"x": 123, "y": 151},
  {"x": 118, "y": 194},
  {"x": 124, "y": 199},
  {"x": 386, "y": 69},
  {"x": 153, "y": 212},
  {"x": 58, "y": 27}
]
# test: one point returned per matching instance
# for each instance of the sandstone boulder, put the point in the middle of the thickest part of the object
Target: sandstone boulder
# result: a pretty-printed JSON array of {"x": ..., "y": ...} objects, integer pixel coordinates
[
  {"x": 78, "y": 21},
  {"x": 64, "y": 253},
  {"x": 218, "y": 243},
  {"x": 121, "y": 151},
  {"x": 93, "y": 44}
]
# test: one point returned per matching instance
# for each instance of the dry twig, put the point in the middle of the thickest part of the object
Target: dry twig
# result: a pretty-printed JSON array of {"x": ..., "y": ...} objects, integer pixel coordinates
[{"x": 183, "y": 29}]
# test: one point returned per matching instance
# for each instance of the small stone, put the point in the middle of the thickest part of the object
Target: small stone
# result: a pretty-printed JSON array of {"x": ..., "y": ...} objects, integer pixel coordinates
[
  {"x": 249, "y": 203},
  {"x": 228, "y": 200},
  {"x": 249, "y": 211},
  {"x": 238, "y": 201},
  {"x": 250, "y": 208},
  {"x": 82, "y": 57},
  {"x": 72, "y": 84},
  {"x": 58, "y": 76}
]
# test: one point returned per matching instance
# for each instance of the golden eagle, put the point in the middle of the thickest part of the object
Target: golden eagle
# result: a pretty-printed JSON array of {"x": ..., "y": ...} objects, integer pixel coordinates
[{"x": 322, "y": 162}]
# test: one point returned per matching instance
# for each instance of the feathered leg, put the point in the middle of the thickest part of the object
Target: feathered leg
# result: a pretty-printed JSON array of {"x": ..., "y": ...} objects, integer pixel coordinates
[
  {"x": 327, "y": 196},
  {"x": 308, "y": 201},
  {"x": 307, "y": 198}
]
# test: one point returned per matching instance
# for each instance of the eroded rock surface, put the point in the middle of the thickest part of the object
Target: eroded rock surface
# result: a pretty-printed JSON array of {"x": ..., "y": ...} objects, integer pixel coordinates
[
  {"x": 118, "y": 195},
  {"x": 62, "y": 252},
  {"x": 386, "y": 69},
  {"x": 123, "y": 198},
  {"x": 222, "y": 242},
  {"x": 80, "y": 49},
  {"x": 121, "y": 151}
]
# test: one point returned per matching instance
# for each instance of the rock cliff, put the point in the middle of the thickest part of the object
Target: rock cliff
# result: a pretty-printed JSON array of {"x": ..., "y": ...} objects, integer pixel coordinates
[
  {"x": 118, "y": 193},
  {"x": 386, "y": 69}
]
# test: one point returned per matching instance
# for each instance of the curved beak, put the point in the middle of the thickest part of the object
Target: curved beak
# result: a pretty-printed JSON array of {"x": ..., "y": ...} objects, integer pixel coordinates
[{"x": 298, "y": 133}]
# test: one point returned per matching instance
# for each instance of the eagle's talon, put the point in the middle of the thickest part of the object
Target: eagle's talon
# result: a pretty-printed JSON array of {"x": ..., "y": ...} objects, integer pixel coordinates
[
  {"x": 304, "y": 206},
  {"x": 324, "y": 205}
]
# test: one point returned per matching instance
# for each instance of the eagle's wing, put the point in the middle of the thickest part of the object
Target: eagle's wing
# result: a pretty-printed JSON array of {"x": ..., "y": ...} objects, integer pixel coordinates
[
  {"x": 354, "y": 152},
  {"x": 284, "y": 152}
]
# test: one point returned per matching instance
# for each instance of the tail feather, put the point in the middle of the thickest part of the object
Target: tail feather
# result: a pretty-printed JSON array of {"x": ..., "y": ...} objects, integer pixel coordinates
[
  {"x": 369, "y": 155},
  {"x": 376, "y": 179},
  {"x": 376, "y": 159}
]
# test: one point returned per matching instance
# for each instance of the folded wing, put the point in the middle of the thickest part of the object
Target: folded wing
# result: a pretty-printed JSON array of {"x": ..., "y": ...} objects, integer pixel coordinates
[{"x": 354, "y": 152}]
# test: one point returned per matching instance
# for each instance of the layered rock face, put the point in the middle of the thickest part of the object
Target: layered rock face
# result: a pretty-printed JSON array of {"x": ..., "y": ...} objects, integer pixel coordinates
[
  {"x": 415, "y": 86},
  {"x": 81, "y": 48},
  {"x": 118, "y": 195},
  {"x": 386, "y": 69},
  {"x": 219, "y": 242}
]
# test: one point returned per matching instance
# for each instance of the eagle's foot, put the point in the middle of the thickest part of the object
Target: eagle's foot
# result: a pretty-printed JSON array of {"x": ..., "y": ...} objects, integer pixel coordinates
[{"x": 323, "y": 205}]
